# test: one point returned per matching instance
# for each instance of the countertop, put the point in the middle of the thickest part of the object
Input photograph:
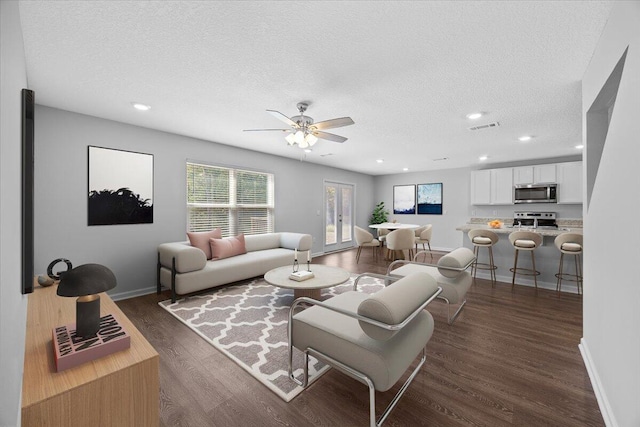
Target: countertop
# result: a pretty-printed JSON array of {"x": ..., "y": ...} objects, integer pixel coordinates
[{"x": 505, "y": 229}]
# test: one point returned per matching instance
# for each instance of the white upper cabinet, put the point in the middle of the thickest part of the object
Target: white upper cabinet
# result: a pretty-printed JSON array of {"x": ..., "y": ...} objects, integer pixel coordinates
[
  {"x": 481, "y": 187},
  {"x": 569, "y": 182},
  {"x": 545, "y": 174},
  {"x": 502, "y": 186},
  {"x": 523, "y": 175},
  {"x": 495, "y": 186},
  {"x": 492, "y": 187},
  {"x": 537, "y": 174}
]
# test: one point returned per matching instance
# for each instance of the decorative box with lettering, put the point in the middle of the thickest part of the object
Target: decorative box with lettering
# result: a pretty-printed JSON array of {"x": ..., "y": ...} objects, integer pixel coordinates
[{"x": 70, "y": 350}]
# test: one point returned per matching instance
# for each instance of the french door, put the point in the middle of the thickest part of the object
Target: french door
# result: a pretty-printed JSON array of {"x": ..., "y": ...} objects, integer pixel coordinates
[{"x": 339, "y": 216}]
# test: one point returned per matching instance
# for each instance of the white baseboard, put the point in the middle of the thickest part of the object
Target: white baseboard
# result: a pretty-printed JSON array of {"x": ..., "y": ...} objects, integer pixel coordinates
[
  {"x": 132, "y": 294},
  {"x": 601, "y": 397},
  {"x": 566, "y": 287},
  {"x": 437, "y": 249}
]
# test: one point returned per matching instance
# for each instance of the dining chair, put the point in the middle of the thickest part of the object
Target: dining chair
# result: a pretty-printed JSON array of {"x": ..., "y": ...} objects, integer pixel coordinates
[
  {"x": 400, "y": 240},
  {"x": 423, "y": 235},
  {"x": 365, "y": 239}
]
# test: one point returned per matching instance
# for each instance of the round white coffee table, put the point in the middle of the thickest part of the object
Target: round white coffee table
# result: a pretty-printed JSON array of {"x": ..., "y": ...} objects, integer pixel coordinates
[{"x": 324, "y": 277}]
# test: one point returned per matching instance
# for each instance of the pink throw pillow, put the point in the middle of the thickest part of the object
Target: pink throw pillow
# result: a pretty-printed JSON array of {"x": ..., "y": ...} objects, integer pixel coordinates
[
  {"x": 227, "y": 247},
  {"x": 200, "y": 239}
]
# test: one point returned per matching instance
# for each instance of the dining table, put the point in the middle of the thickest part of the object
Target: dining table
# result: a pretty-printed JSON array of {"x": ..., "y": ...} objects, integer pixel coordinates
[
  {"x": 393, "y": 255},
  {"x": 394, "y": 226}
]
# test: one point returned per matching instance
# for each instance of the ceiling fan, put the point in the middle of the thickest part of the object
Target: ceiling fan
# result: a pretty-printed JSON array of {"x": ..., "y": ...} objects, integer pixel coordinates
[{"x": 303, "y": 131}]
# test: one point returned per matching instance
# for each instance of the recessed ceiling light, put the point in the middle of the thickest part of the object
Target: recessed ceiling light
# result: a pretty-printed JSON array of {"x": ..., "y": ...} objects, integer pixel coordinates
[
  {"x": 380, "y": 160},
  {"x": 405, "y": 169},
  {"x": 525, "y": 138},
  {"x": 141, "y": 107},
  {"x": 474, "y": 116},
  {"x": 308, "y": 150},
  {"x": 483, "y": 158},
  {"x": 580, "y": 146}
]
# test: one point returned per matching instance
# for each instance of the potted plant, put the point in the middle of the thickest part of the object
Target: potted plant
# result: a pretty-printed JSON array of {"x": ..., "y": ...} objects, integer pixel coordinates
[{"x": 379, "y": 214}]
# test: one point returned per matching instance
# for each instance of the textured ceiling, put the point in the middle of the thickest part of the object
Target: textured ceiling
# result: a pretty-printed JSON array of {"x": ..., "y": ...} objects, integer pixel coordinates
[{"x": 406, "y": 72}]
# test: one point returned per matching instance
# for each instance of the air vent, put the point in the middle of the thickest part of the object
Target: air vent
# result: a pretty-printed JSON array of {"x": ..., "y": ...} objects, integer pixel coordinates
[
  {"x": 441, "y": 158},
  {"x": 325, "y": 155},
  {"x": 485, "y": 126}
]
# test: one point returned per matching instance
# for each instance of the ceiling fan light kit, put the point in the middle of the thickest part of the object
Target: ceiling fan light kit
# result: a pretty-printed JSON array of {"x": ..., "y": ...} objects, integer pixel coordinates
[{"x": 303, "y": 131}]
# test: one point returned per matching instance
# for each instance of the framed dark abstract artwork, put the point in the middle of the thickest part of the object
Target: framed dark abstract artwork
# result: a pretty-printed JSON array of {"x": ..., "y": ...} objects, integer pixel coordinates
[
  {"x": 430, "y": 199},
  {"x": 120, "y": 187},
  {"x": 404, "y": 199}
]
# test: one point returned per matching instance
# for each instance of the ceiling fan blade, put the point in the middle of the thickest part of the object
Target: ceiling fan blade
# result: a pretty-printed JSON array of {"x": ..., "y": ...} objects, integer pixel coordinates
[
  {"x": 278, "y": 115},
  {"x": 333, "y": 123},
  {"x": 329, "y": 136},
  {"x": 261, "y": 130}
]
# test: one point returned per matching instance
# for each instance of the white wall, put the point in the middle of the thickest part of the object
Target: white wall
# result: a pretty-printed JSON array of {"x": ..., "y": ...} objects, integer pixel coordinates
[
  {"x": 455, "y": 203},
  {"x": 13, "y": 305},
  {"x": 61, "y": 190},
  {"x": 611, "y": 342}
]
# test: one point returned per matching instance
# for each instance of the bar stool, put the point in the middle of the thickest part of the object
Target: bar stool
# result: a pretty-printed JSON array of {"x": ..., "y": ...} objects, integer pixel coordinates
[
  {"x": 569, "y": 244},
  {"x": 483, "y": 239},
  {"x": 525, "y": 241}
]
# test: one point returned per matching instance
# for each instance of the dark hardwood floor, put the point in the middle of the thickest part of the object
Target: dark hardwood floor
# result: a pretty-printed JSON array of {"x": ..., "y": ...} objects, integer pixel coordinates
[{"x": 510, "y": 359}]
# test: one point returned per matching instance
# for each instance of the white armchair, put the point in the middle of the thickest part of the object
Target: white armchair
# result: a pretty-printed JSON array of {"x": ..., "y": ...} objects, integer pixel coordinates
[
  {"x": 450, "y": 274},
  {"x": 372, "y": 338}
]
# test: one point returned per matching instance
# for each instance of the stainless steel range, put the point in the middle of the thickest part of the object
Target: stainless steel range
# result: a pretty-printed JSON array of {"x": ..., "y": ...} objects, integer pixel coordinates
[{"x": 542, "y": 220}]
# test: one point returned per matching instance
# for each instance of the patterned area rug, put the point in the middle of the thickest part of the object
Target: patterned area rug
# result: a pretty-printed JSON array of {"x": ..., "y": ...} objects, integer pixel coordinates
[{"x": 248, "y": 323}]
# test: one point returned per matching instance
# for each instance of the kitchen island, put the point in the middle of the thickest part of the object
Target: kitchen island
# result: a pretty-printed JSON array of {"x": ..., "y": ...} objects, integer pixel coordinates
[{"x": 547, "y": 255}]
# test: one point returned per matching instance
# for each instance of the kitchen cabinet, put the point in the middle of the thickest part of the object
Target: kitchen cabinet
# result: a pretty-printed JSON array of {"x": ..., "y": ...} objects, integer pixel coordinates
[
  {"x": 492, "y": 187},
  {"x": 545, "y": 174},
  {"x": 481, "y": 187},
  {"x": 536, "y": 174},
  {"x": 502, "y": 186},
  {"x": 523, "y": 175},
  {"x": 495, "y": 186},
  {"x": 569, "y": 182}
]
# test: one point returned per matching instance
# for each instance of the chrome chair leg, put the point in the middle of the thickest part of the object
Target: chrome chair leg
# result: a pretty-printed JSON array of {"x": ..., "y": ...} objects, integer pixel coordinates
[
  {"x": 372, "y": 390},
  {"x": 515, "y": 266},
  {"x": 451, "y": 319},
  {"x": 561, "y": 275},
  {"x": 494, "y": 279},
  {"x": 560, "y": 271},
  {"x": 535, "y": 274},
  {"x": 579, "y": 272}
]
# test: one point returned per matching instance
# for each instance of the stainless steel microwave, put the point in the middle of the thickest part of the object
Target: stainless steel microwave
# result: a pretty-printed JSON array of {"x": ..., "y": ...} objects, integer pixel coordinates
[{"x": 535, "y": 193}]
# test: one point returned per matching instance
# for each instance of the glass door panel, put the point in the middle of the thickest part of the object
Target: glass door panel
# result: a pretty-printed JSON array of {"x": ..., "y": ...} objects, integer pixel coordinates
[
  {"x": 338, "y": 201},
  {"x": 331, "y": 209},
  {"x": 347, "y": 225}
]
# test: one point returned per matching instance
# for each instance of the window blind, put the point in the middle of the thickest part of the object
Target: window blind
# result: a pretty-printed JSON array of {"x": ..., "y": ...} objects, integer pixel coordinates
[{"x": 237, "y": 201}]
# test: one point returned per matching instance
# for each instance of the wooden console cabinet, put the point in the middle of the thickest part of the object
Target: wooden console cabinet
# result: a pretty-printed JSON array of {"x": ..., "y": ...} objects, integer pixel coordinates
[{"x": 121, "y": 389}]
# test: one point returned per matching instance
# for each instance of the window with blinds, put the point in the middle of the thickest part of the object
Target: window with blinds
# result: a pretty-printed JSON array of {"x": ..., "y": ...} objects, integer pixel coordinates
[{"x": 234, "y": 200}]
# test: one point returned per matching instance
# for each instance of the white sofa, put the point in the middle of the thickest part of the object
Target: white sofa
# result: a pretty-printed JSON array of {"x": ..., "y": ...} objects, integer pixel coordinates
[{"x": 185, "y": 269}]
